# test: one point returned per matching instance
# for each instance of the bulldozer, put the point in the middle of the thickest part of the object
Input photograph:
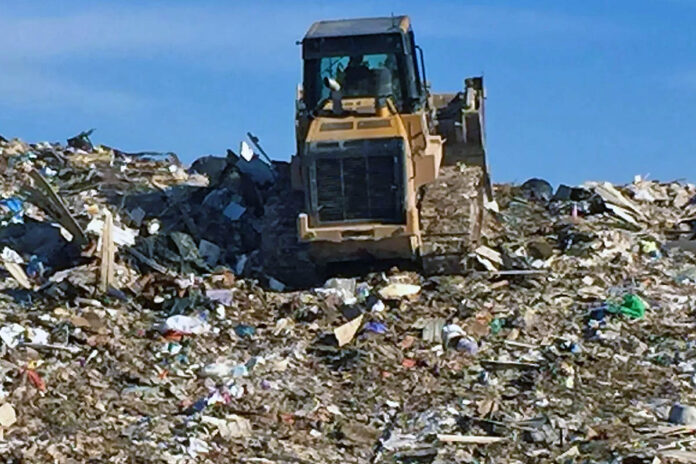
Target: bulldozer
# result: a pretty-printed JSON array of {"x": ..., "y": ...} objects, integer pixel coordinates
[{"x": 384, "y": 169}]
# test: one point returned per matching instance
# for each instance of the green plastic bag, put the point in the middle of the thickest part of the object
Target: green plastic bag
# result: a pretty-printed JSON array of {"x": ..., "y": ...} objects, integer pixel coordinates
[{"x": 633, "y": 306}]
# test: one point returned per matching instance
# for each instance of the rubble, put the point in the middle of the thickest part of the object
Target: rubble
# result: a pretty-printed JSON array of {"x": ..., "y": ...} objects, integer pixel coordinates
[{"x": 136, "y": 325}]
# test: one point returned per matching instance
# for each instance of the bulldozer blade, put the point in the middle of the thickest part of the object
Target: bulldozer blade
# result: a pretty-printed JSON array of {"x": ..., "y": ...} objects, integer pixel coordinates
[{"x": 460, "y": 121}]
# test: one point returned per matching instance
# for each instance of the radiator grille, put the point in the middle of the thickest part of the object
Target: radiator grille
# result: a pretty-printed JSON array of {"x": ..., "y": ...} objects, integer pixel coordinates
[{"x": 359, "y": 183}]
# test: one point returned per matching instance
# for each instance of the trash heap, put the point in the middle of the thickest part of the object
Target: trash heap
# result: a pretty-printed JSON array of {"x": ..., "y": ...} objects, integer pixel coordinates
[
  {"x": 131, "y": 329},
  {"x": 55, "y": 199}
]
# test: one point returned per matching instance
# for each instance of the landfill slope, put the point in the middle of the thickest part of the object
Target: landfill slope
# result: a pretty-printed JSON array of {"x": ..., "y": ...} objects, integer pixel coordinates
[{"x": 570, "y": 339}]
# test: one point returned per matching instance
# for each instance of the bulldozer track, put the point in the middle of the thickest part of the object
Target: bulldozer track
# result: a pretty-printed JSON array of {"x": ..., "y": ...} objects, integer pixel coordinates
[
  {"x": 451, "y": 218},
  {"x": 284, "y": 257}
]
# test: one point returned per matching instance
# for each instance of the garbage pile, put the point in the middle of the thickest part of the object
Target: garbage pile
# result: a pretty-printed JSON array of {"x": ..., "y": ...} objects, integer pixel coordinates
[
  {"x": 55, "y": 199},
  {"x": 131, "y": 329}
]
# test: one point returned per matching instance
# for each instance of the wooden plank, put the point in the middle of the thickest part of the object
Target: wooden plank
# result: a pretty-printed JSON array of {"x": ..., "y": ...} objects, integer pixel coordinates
[
  {"x": 18, "y": 273},
  {"x": 108, "y": 253},
  {"x": 58, "y": 206},
  {"x": 469, "y": 439}
]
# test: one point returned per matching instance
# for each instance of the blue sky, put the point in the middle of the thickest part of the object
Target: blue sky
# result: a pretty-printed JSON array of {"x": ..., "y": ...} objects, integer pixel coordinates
[{"x": 576, "y": 90}]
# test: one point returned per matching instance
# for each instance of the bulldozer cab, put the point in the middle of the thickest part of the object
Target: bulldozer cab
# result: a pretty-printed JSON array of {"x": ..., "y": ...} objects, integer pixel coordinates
[{"x": 367, "y": 58}]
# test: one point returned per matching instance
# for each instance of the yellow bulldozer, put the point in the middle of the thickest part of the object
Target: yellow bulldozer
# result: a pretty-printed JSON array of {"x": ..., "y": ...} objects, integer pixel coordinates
[{"x": 384, "y": 169}]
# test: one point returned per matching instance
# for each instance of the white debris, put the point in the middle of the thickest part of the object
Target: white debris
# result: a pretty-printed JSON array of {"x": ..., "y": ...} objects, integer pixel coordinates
[
  {"x": 197, "y": 447},
  {"x": 123, "y": 236},
  {"x": 11, "y": 334},
  {"x": 342, "y": 288},
  {"x": 397, "y": 291},
  {"x": 186, "y": 325},
  {"x": 38, "y": 336},
  {"x": 246, "y": 151},
  {"x": 11, "y": 256}
]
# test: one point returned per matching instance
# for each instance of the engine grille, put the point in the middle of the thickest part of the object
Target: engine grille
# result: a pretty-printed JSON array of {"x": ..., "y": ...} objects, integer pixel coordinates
[{"x": 357, "y": 181}]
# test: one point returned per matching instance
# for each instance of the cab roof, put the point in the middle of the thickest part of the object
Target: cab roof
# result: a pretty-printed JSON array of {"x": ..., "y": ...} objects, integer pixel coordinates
[{"x": 361, "y": 26}]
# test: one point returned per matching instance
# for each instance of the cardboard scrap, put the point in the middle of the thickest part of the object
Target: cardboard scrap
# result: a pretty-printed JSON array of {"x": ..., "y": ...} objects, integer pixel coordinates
[
  {"x": 432, "y": 329},
  {"x": 571, "y": 453},
  {"x": 8, "y": 416},
  {"x": 616, "y": 202},
  {"x": 623, "y": 214},
  {"x": 488, "y": 257},
  {"x": 360, "y": 433},
  {"x": 232, "y": 426},
  {"x": 345, "y": 333},
  {"x": 490, "y": 254}
]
